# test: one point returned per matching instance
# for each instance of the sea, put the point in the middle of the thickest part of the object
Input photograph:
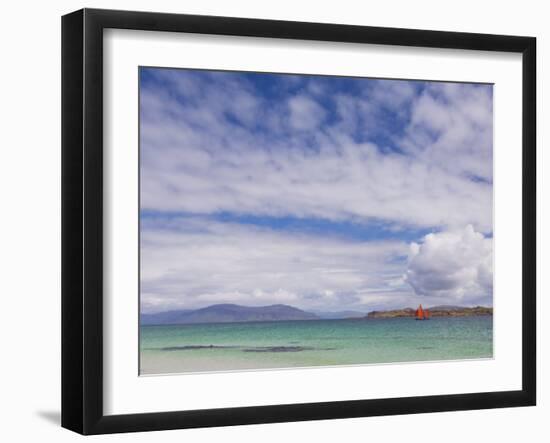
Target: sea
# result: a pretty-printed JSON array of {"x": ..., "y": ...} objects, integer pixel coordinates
[{"x": 214, "y": 347}]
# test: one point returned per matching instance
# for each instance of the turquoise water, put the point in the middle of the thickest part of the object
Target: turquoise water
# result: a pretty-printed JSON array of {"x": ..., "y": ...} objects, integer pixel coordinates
[{"x": 289, "y": 344}]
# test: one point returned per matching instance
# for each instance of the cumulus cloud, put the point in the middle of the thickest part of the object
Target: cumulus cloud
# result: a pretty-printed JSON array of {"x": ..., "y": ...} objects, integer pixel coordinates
[{"x": 454, "y": 265}]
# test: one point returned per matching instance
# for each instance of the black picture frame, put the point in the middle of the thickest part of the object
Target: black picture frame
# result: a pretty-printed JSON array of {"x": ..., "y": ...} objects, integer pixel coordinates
[{"x": 82, "y": 219}]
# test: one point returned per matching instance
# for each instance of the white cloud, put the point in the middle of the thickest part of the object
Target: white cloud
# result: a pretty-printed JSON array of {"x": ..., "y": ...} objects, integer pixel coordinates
[
  {"x": 305, "y": 113},
  {"x": 393, "y": 94},
  {"x": 194, "y": 262},
  {"x": 451, "y": 127},
  {"x": 454, "y": 265},
  {"x": 352, "y": 181},
  {"x": 195, "y": 159}
]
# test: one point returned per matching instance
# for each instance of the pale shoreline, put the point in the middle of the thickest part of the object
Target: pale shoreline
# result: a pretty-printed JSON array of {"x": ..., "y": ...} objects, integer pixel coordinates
[{"x": 151, "y": 366}]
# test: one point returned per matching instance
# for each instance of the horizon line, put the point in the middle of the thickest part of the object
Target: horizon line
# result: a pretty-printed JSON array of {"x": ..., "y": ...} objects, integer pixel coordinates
[{"x": 314, "y": 310}]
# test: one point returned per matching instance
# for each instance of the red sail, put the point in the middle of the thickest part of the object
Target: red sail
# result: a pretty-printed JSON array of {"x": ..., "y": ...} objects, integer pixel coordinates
[
  {"x": 420, "y": 313},
  {"x": 426, "y": 314}
]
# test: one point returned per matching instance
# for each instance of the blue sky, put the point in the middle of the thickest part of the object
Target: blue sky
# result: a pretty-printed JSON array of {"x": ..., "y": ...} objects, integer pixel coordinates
[{"x": 321, "y": 192}]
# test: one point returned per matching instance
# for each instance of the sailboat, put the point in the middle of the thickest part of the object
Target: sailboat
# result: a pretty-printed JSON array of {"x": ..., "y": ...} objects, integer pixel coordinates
[{"x": 422, "y": 314}]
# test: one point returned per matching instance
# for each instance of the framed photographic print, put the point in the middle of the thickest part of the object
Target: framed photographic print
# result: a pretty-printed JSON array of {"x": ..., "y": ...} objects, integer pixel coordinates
[{"x": 269, "y": 221}]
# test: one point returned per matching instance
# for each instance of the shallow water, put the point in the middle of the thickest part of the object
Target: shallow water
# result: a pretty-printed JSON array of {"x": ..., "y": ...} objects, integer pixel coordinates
[{"x": 290, "y": 344}]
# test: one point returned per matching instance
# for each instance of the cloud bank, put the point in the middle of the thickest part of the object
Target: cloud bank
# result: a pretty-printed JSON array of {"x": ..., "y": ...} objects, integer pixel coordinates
[{"x": 194, "y": 262}]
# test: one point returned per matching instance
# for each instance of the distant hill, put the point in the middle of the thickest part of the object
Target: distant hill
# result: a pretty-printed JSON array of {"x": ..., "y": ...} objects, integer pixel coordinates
[
  {"x": 164, "y": 318},
  {"x": 446, "y": 308},
  {"x": 393, "y": 313},
  {"x": 442, "y": 311},
  {"x": 436, "y": 311},
  {"x": 228, "y": 313}
]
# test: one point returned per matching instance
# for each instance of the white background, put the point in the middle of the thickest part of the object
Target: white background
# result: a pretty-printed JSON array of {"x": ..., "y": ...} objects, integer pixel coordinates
[{"x": 30, "y": 222}]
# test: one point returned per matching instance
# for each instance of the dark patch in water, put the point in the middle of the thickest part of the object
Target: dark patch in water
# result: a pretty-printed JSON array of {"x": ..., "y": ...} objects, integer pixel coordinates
[
  {"x": 286, "y": 349},
  {"x": 425, "y": 347},
  {"x": 195, "y": 347},
  {"x": 278, "y": 349},
  {"x": 246, "y": 349},
  {"x": 332, "y": 337}
]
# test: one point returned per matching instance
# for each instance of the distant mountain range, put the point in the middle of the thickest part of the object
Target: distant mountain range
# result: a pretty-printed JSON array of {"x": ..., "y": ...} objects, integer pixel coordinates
[
  {"x": 231, "y": 313},
  {"x": 228, "y": 313}
]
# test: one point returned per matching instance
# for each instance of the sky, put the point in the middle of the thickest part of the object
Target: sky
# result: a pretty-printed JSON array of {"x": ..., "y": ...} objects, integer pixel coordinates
[{"x": 324, "y": 193}]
